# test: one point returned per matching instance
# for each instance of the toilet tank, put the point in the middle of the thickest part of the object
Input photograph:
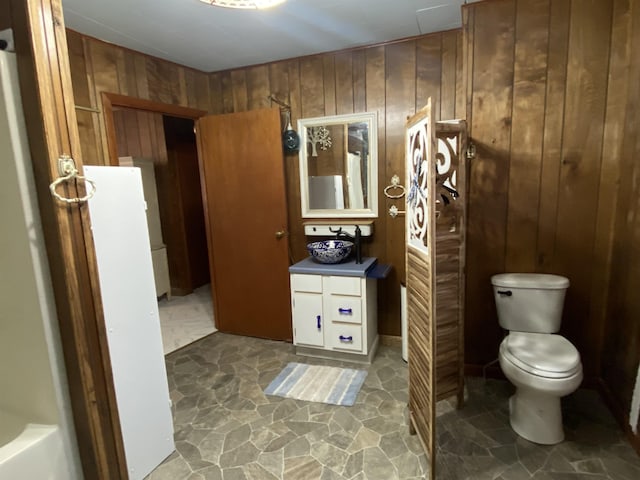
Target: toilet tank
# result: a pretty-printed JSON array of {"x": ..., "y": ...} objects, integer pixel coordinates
[{"x": 529, "y": 302}]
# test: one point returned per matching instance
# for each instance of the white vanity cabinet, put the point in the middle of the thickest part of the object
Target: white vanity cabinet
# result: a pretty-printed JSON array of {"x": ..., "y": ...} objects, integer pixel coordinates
[{"x": 334, "y": 315}]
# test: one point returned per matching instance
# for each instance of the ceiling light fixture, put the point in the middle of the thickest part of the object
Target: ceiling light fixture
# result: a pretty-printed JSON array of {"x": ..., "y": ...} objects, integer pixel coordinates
[{"x": 247, "y": 4}]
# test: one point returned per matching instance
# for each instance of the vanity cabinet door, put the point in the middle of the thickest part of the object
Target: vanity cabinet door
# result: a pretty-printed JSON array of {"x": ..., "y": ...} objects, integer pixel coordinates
[{"x": 308, "y": 323}]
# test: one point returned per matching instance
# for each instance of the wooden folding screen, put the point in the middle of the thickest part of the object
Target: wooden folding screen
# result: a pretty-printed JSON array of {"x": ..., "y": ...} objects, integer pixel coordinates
[
  {"x": 420, "y": 268},
  {"x": 451, "y": 200}
]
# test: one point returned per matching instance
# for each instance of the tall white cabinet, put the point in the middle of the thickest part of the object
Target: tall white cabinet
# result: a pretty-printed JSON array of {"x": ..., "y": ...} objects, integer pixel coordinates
[
  {"x": 334, "y": 309},
  {"x": 156, "y": 242}
]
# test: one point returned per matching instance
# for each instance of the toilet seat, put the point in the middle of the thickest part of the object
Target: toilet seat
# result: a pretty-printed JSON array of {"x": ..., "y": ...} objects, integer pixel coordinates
[{"x": 541, "y": 354}]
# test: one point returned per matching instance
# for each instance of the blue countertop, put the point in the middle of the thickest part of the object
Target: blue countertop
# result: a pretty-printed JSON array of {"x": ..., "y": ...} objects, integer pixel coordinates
[{"x": 346, "y": 269}]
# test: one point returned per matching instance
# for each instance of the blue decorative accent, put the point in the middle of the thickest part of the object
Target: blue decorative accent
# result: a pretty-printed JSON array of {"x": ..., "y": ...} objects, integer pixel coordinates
[
  {"x": 319, "y": 323},
  {"x": 345, "y": 311},
  {"x": 330, "y": 251},
  {"x": 346, "y": 339}
]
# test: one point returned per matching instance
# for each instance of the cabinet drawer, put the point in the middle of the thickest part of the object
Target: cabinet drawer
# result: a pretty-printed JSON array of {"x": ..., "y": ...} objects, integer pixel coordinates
[
  {"x": 346, "y": 309},
  {"x": 344, "y": 337},
  {"x": 343, "y": 285},
  {"x": 306, "y": 283}
]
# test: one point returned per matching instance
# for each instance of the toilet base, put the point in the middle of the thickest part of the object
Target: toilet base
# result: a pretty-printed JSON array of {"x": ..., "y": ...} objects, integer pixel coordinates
[{"x": 536, "y": 416}]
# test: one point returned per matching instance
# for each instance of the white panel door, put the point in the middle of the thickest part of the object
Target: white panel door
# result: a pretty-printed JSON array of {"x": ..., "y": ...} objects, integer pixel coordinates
[{"x": 121, "y": 238}]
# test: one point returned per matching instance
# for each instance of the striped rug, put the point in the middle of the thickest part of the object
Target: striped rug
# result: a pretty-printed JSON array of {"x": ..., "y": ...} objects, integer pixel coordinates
[{"x": 337, "y": 386}]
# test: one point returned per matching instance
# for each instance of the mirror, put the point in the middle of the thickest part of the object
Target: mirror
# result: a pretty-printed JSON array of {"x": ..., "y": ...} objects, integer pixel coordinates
[{"x": 339, "y": 166}]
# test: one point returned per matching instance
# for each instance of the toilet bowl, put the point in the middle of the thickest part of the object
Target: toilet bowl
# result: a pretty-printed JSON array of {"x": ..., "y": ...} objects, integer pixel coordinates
[{"x": 543, "y": 368}]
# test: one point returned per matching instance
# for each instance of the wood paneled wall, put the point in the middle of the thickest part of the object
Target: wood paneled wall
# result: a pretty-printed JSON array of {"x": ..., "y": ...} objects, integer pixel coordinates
[
  {"x": 621, "y": 349},
  {"x": 98, "y": 67},
  {"x": 540, "y": 187},
  {"x": 553, "y": 111},
  {"x": 5, "y": 15},
  {"x": 393, "y": 80}
]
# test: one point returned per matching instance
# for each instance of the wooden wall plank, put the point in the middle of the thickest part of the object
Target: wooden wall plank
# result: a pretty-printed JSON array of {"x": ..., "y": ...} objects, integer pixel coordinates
[
  {"x": 227, "y": 93},
  {"x": 297, "y": 239},
  {"x": 142, "y": 81},
  {"x": 490, "y": 129},
  {"x": 376, "y": 101},
  {"x": 400, "y": 94},
  {"x": 5, "y": 15},
  {"x": 239, "y": 90},
  {"x": 610, "y": 171},
  {"x": 529, "y": 90},
  {"x": 312, "y": 87},
  {"x": 429, "y": 72},
  {"x": 450, "y": 66},
  {"x": 621, "y": 348},
  {"x": 552, "y": 144},
  {"x": 83, "y": 97},
  {"x": 157, "y": 73},
  {"x": 101, "y": 65},
  {"x": 129, "y": 75},
  {"x": 279, "y": 82},
  {"x": 359, "y": 81},
  {"x": 258, "y": 87},
  {"x": 216, "y": 100},
  {"x": 329, "y": 71},
  {"x": 344, "y": 82},
  {"x": 588, "y": 61}
]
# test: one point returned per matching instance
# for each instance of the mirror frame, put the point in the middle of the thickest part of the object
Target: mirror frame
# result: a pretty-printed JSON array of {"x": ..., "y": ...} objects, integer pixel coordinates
[{"x": 371, "y": 118}]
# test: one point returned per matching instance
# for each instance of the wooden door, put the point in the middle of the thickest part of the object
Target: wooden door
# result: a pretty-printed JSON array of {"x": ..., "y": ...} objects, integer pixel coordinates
[
  {"x": 420, "y": 268},
  {"x": 246, "y": 213}
]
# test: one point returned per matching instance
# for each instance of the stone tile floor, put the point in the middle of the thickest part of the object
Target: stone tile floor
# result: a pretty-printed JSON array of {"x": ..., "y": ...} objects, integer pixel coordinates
[
  {"x": 186, "y": 319},
  {"x": 227, "y": 429},
  {"x": 476, "y": 442}
]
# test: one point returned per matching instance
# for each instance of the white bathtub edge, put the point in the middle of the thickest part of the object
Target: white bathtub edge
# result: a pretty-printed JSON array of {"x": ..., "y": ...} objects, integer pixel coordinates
[{"x": 35, "y": 454}]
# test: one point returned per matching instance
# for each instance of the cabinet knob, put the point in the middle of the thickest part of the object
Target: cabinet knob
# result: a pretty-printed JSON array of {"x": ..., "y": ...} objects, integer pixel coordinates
[
  {"x": 345, "y": 311},
  {"x": 319, "y": 322},
  {"x": 346, "y": 339}
]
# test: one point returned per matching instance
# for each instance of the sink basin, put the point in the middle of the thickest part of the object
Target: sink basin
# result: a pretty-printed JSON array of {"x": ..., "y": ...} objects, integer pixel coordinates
[{"x": 330, "y": 251}]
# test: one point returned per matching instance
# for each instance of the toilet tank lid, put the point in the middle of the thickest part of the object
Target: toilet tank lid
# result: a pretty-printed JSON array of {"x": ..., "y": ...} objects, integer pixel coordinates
[{"x": 530, "y": 280}]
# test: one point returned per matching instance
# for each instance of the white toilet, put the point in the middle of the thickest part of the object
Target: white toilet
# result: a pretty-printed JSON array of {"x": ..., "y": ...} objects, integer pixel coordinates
[{"x": 542, "y": 366}]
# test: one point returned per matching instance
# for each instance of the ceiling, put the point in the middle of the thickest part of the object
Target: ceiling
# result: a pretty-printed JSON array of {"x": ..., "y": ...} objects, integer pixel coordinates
[{"x": 209, "y": 38}]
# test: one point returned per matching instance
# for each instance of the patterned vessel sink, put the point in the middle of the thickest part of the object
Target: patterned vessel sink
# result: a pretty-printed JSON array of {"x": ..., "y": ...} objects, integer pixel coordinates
[{"x": 330, "y": 251}]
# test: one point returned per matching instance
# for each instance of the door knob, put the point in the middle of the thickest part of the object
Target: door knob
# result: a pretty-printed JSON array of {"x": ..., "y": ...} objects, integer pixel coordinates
[{"x": 281, "y": 233}]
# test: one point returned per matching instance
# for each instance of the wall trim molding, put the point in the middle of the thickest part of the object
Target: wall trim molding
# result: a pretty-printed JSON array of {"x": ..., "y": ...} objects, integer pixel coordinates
[{"x": 391, "y": 340}]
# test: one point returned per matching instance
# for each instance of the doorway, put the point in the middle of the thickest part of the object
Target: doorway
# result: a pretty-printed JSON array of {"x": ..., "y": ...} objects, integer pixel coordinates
[
  {"x": 164, "y": 147},
  {"x": 236, "y": 133}
]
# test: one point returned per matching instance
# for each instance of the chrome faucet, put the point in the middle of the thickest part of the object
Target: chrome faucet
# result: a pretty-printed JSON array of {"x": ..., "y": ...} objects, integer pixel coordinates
[{"x": 355, "y": 238}]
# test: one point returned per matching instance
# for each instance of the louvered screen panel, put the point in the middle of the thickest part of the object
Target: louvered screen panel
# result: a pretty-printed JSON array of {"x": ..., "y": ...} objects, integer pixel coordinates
[{"x": 420, "y": 263}]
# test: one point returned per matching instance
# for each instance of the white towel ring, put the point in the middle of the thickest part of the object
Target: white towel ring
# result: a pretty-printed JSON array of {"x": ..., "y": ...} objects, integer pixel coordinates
[
  {"x": 395, "y": 185},
  {"x": 67, "y": 167}
]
